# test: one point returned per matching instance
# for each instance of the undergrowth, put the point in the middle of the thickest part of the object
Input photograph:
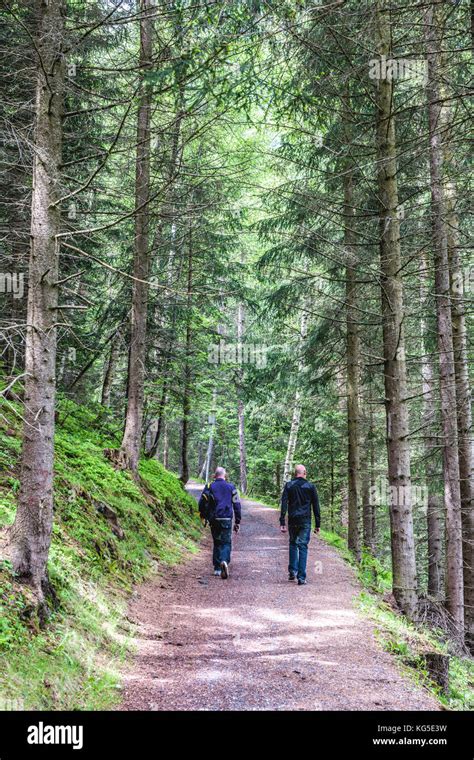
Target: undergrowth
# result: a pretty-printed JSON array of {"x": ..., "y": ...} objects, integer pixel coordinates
[
  {"x": 408, "y": 642},
  {"x": 73, "y": 662}
]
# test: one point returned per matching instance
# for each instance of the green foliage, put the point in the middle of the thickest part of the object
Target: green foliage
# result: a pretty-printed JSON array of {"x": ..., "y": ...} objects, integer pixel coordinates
[
  {"x": 72, "y": 664},
  {"x": 371, "y": 572},
  {"x": 12, "y": 604},
  {"x": 60, "y": 667}
]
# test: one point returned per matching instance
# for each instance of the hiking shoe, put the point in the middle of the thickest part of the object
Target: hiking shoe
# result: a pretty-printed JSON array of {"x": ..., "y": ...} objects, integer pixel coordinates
[
  {"x": 291, "y": 577},
  {"x": 301, "y": 583},
  {"x": 224, "y": 570},
  {"x": 217, "y": 572}
]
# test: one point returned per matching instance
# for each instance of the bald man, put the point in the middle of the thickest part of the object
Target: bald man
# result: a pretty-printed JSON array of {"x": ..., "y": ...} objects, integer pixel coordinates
[
  {"x": 219, "y": 503},
  {"x": 299, "y": 499}
]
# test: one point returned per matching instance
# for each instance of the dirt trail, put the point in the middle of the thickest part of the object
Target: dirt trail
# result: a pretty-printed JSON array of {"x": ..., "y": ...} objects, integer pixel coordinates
[{"x": 256, "y": 641}]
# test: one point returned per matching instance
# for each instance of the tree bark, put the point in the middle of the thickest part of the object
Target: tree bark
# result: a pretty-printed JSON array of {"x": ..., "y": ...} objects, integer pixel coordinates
[
  {"x": 434, "y": 513},
  {"x": 242, "y": 450},
  {"x": 278, "y": 479},
  {"x": 165, "y": 445},
  {"x": 296, "y": 417},
  {"x": 110, "y": 370},
  {"x": 159, "y": 420},
  {"x": 437, "y": 666},
  {"x": 332, "y": 489},
  {"x": 452, "y": 493},
  {"x": 240, "y": 405},
  {"x": 353, "y": 364},
  {"x": 31, "y": 531},
  {"x": 204, "y": 473},
  {"x": 463, "y": 386},
  {"x": 184, "y": 475},
  {"x": 398, "y": 442},
  {"x": 464, "y": 418},
  {"x": 293, "y": 437},
  {"x": 130, "y": 449},
  {"x": 368, "y": 506}
]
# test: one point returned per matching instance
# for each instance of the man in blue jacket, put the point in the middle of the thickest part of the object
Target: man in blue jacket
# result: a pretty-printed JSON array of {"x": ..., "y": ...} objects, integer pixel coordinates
[
  {"x": 299, "y": 499},
  {"x": 218, "y": 504}
]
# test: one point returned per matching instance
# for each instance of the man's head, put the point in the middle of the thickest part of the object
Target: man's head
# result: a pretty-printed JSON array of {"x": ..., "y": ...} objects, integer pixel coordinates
[
  {"x": 300, "y": 471},
  {"x": 219, "y": 473}
]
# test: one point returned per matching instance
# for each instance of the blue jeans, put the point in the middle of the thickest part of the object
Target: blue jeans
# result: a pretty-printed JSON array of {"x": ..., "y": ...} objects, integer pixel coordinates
[
  {"x": 299, "y": 540},
  {"x": 222, "y": 534}
]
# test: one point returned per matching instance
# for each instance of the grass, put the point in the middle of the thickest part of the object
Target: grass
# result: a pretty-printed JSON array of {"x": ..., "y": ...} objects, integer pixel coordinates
[
  {"x": 73, "y": 664},
  {"x": 370, "y": 572},
  {"x": 409, "y": 642}
]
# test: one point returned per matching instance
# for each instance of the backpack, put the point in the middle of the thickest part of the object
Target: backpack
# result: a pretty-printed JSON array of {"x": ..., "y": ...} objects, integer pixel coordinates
[{"x": 208, "y": 504}]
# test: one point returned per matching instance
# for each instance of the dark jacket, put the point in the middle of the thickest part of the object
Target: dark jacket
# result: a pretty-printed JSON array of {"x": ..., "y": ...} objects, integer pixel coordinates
[
  {"x": 298, "y": 498},
  {"x": 220, "y": 499}
]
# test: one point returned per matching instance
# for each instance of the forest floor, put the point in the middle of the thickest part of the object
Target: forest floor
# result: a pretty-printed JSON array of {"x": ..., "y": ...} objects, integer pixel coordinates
[{"x": 257, "y": 641}]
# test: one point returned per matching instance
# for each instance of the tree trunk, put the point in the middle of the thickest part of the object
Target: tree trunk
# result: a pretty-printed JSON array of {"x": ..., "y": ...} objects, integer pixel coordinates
[
  {"x": 204, "y": 473},
  {"x": 165, "y": 445},
  {"x": 452, "y": 494},
  {"x": 31, "y": 532},
  {"x": 434, "y": 508},
  {"x": 398, "y": 442},
  {"x": 184, "y": 475},
  {"x": 293, "y": 437},
  {"x": 110, "y": 370},
  {"x": 159, "y": 420},
  {"x": 332, "y": 489},
  {"x": 463, "y": 387},
  {"x": 368, "y": 513},
  {"x": 437, "y": 666},
  {"x": 240, "y": 406},
  {"x": 353, "y": 364},
  {"x": 295, "y": 420},
  {"x": 242, "y": 451},
  {"x": 464, "y": 418},
  {"x": 130, "y": 449},
  {"x": 368, "y": 506}
]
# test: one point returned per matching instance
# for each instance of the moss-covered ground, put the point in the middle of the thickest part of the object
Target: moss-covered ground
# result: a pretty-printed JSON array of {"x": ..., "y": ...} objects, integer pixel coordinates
[{"x": 72, "y": 663}]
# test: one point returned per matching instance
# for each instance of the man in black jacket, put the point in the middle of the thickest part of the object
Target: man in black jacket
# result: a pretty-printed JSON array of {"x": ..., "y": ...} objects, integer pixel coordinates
[{"x": 299, "y": 498}]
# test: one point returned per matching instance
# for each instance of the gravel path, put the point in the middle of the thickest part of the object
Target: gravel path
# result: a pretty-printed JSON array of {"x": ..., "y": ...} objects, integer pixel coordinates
[{"x": 256, "y": 641}]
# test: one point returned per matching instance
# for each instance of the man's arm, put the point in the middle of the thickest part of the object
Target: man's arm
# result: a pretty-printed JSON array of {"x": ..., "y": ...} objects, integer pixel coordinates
[
  {"x": 315, "y": 505},
  {"x": 236, "y": 505},
  {"x": 284, "y": 505}
]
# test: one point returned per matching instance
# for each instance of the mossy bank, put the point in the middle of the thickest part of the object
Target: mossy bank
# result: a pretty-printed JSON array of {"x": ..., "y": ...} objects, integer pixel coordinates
[{"x": 109, "y": 533}]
